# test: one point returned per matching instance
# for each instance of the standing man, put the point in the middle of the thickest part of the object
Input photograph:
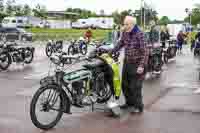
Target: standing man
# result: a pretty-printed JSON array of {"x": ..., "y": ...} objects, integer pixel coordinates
[
  {"x": 135, "y": 60},
  {"x": 180, "y": 40}
]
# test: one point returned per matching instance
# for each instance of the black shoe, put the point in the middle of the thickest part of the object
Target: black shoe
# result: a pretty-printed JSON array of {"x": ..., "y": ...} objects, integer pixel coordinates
[
  {"x": 124, "y": 106},
  {"x": 141, "y": 109}
]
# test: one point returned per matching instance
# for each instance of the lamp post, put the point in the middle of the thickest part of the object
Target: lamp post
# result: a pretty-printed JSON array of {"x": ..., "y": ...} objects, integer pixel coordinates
[{"x": 187, "y": 10}]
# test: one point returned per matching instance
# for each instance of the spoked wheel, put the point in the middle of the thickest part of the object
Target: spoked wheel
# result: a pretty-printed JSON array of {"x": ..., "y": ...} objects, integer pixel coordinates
[
  {"x": 84, "y": 49},
  {"x": 48, "y": 50},
  {"x": 46, "y": 107},
  {"x": 157, "y": 65},
  {"x": 5, "y": 60},
  {"x": 104, "y": 94},
  {"x": 103, "y": 89},
  {"x": 71, "y": 50},
  {"x": 29, "y": 55}
]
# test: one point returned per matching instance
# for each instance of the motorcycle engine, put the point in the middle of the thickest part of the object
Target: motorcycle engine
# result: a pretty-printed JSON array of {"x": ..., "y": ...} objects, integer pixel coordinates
[{"x": 17, "y": 57}]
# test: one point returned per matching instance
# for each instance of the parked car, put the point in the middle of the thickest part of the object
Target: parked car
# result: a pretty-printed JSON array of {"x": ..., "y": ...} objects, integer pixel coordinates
[{"x": 13, "y": 34}]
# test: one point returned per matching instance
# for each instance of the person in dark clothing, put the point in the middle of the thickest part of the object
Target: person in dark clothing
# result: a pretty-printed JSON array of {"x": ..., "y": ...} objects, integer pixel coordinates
[
  {"x": 135, "y": 59},
  {"x": 164, "y": 36},
  {"x": 180, "y": 40}
]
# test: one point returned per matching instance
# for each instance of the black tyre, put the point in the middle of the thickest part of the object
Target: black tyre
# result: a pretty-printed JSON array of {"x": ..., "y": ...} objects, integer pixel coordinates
[
  {"x": 84, "y": 49},
  {"x": 5, "y": 60},
  {"x": 48, "y": 50},
  {"x": 199, "y": 75},
  {"x": 71, "y": 50},
  {"x": 157, "y": 64},
  {"x": 29, "y": 55},
  {"x": 104, "y": 93},
  {"x": 195, "y": 53},
  {"x": 53, "y": 96}
]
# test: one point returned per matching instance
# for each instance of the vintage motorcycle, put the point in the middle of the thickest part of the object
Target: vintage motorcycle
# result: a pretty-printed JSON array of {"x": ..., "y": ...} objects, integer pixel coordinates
[
  {"x": 12, "y": 53},
  {"x": 155, "y": 61},
  {"x": 78, "y": 46},
  {"x": 170, "y": 52},
  {"x": 53, "y": 47},
  {"x": 95, "y": 82}
]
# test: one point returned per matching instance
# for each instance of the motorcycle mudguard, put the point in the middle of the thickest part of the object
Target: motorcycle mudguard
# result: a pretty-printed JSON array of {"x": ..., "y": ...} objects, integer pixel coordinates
[{"x": 116, "y": 79}]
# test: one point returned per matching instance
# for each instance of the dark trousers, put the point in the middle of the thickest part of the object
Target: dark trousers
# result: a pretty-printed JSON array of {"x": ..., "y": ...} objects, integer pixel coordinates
[
  {"x": 132, "y": 85},
  {"x": 163, "y": 44}
]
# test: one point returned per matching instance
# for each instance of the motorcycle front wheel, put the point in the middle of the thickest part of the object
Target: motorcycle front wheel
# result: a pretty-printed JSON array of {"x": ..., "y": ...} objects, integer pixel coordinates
[
  {"x": 71, "y": 50},
  {"x": 51, "y": 102}
]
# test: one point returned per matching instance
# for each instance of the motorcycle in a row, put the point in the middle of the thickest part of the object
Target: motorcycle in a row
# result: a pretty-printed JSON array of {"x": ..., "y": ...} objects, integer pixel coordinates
[
  {"x": 159, "y": 56},
  {"x": 13, "y": 53},
  {"x": 75, "y": 47}
]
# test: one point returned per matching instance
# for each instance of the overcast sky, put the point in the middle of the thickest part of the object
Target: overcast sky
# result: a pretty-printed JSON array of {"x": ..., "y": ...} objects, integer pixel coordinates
[{"x": 175, "y": 9}]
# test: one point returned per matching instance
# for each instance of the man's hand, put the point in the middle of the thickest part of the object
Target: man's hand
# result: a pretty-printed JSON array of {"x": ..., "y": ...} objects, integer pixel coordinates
[{"x": 140, "y": 70}]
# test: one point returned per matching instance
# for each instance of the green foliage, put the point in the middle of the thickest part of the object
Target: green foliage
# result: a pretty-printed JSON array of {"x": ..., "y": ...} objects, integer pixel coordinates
[
  {"x": 1, "y": 5},
  {"x": 46, "y": 34},
  {"x": 195, "y": 17},
  {"x": 164, "y": 20},
  {"x": 10, "y": 7},
  {"x": 40, "y": 11},
  {"x": 27, "y": 10}
]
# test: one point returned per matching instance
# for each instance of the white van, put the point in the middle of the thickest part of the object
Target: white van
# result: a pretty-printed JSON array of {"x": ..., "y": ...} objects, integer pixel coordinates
[{"x": 9, "y": 22}]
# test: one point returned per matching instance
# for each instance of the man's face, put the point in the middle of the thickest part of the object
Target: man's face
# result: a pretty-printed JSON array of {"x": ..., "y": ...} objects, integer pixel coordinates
[{"x": 127, "y": 26}]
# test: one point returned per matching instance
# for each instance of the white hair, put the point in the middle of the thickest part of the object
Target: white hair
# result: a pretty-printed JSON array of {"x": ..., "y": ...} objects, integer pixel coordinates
[{"x": 131, "y": 19}]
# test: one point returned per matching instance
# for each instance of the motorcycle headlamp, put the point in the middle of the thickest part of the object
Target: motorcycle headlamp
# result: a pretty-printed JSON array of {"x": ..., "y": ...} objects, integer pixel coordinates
[{"x": 55, "y": 59}]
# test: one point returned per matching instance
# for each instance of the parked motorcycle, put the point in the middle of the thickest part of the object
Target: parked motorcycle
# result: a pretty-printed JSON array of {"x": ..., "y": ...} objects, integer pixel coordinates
[
  {"x": 95, "y": 82},
  {"x": 12, "y": 53},
  {"x": 78, "y": 46},
  {"x": 155, "y": 61},
  {"x": 170, "y": 52},
  {"x": 53, "y": 47}
]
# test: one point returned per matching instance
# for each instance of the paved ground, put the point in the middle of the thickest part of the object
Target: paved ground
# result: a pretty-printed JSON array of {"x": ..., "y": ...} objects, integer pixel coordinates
[{"x": 171, "y": 106}]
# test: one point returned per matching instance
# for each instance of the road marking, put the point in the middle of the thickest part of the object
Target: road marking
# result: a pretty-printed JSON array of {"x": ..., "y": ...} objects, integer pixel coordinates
[
  {"x": 36, "y": 76},
  {"x": 197, "y": 91}
]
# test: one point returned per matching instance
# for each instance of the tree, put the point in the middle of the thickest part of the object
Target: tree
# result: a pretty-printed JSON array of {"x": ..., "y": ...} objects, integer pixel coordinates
[
  {"x": 195, "y": 15},
  {"x": 27, "y": 10},
  {"x": 119, "y": 17},
  {"x": 164, "y": 20},
  {"x": 116, "y": 16},
  {"x": 1, "y": 6},
  {"x": 40, "y": 11},
  {"x": 18, "y": 10},
  {"x": 10, "y": 7}
]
